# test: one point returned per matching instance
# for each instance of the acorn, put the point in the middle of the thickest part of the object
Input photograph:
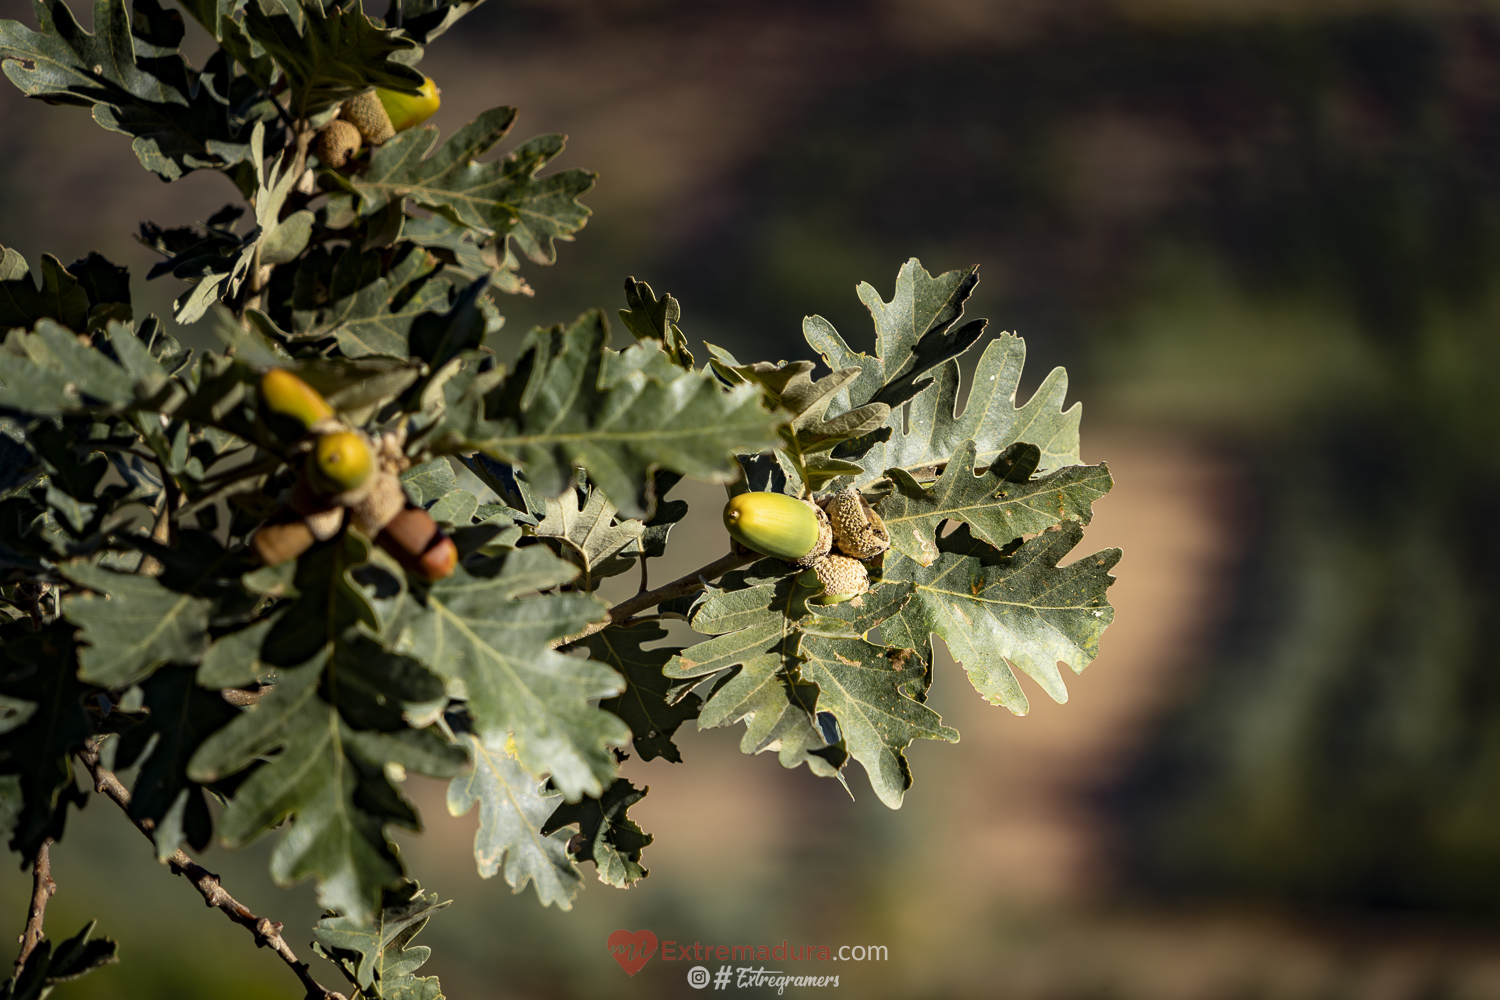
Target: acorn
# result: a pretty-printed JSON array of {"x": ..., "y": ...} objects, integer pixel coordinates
[
  {"x": 406, "y": 110},
  {"x": 857, "y": 530},
  {"x": 419, "y": 545},
  {"x": 775, "y": 524},
  {"x": 281, "y": 539},
  {"x": 286, "y": 396},
  {"x": 842, "y": 579},
  {"x": 367, "y": 114},
  {"x": 340, "y": 463},
  {"x": 337, "y": 143}
]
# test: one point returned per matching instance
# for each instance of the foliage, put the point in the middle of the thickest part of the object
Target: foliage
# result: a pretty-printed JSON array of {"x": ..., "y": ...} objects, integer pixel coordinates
[{"x": 135, "y": 613}]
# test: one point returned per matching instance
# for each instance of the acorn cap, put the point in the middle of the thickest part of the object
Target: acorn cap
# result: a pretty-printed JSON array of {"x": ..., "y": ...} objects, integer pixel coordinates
[
  {"x": 842, "y": 578},
  {"x": 337, "y": 143},
  {"x": 366, "y": 113},
  {"x": 857, "y": 530},
  {"x": 379, "y": 506}
]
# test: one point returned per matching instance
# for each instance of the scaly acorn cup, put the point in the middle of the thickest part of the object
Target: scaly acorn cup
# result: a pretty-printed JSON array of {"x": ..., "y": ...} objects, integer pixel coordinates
[
  {"x": 406, "y": 110},
  {"x": 366, "y": 113},
  {"x": 858, "y": 531},
  {"x": 340, "y": 463},
  {"x": 775, "y": 524},
  {"x": 379, "y": 505},
  {"x": 419, "y": 545},
  {"x": 292, "y": 403},
  {"x": 337, "y": 143},
  {"x": 842, "y": 579}
]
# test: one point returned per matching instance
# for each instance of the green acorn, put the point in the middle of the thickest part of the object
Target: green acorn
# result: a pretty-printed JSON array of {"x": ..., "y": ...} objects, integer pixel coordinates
[
  {"x": 285, "y": 395},
  {"x": 340, "y": 462},
  {"x": 775, "y": 524},
  {"x": 406, "y": 110}
]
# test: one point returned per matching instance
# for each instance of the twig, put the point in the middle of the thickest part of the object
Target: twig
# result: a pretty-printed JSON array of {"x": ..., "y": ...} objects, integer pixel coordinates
[
  {"x": 267, "y": 932},
  {"x": 681, "y": 587},
  {"x": 42, "y": 888}
]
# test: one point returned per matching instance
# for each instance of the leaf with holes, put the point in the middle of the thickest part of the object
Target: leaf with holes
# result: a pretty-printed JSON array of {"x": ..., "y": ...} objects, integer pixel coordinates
[
  {"x": 606, "y": 835},
  {"x": 996, "y": 609}
]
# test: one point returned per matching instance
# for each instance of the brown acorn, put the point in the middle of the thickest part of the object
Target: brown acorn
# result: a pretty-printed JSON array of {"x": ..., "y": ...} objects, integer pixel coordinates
[
  {"x": 279, "y": 540},
  {"x": 419, "y": 545},
  {"x": 337, "y": 143}
]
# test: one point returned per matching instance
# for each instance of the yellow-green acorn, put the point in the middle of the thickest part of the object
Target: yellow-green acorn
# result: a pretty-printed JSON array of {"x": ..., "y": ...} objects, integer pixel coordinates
[
  {"x": 340, "y": 462},
  {"x": 406, "y": 110},
  {"x": 286, "y": 395},
  {"x": 843, "y": 579},
  {"x": 775, "y": 524},
  {"x": 366, "y": 113},
  {"x": 337, "y": 143}
]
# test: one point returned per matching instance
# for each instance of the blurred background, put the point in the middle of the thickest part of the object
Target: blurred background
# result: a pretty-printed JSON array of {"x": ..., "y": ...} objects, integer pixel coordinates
[{"x": 1263, "y": 236}]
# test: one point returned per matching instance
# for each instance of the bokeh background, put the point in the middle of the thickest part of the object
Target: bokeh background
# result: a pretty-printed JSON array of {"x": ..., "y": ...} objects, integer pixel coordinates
[{"x": 1263, "y": 237}]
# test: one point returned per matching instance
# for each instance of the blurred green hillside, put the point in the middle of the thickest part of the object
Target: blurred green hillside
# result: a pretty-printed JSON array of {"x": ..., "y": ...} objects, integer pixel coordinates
[{"x": 1264, "y": 238}]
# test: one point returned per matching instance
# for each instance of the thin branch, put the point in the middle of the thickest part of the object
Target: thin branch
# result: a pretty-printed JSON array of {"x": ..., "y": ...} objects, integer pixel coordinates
[
  {"x": 267, "y": 932},
  {"x": 681, "y": 587},
  {"x": 42, "y": 888}
]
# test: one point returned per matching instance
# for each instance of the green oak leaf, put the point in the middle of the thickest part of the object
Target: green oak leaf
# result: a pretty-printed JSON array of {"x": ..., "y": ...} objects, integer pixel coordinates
[
  {"x": 429, "y": 482},
  {"x": 368, "y": 306},
  {"x": 424, "y": 20},
  {"x": 180, "y": 715},
  {"x": 913, "y": 334},
  {"x": 651, "y": 705},
  {"x": 49, "y": 372},
  {"x": 999, "y": 505},
  {"x": 329, "y": 778},
  {"x": 606, "y": 835},
  {"x": 130, "y": 73},
  {"x": 570, "y": 401},
  {"x": 811, "y": 435},
  {"x": 650, "y": 318},
  {"x": 495, "y": 646},
  {"x": 590, "y": 536},
  {"x": 329, "y": 55},
  {"x": 504, "y": 198},
  {"x": 46, "y": 722},
  {"x": 132, "y": 624},
  {"x": 513, "y": 806},
  {"x": 46, "y": 967},
  {"x": 1018, "y": 607},
  {"x": 753, "y": 619},
  {"x": 84, "y": 296},
  {"x": 378, "y": 956},
  {"x": 863, "y": 685},
  {"x": 914, "y": 338}
]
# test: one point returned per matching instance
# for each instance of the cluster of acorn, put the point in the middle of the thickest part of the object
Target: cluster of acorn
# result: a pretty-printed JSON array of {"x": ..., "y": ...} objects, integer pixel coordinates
[
  {"x": 832, "y": 536},
  {"x": 344, "y": 476},
  {"x": 371, "y": 118}
]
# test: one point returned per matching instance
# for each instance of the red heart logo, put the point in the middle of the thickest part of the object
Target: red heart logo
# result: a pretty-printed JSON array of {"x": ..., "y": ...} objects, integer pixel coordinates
[{"x": 632, "y": 951}]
